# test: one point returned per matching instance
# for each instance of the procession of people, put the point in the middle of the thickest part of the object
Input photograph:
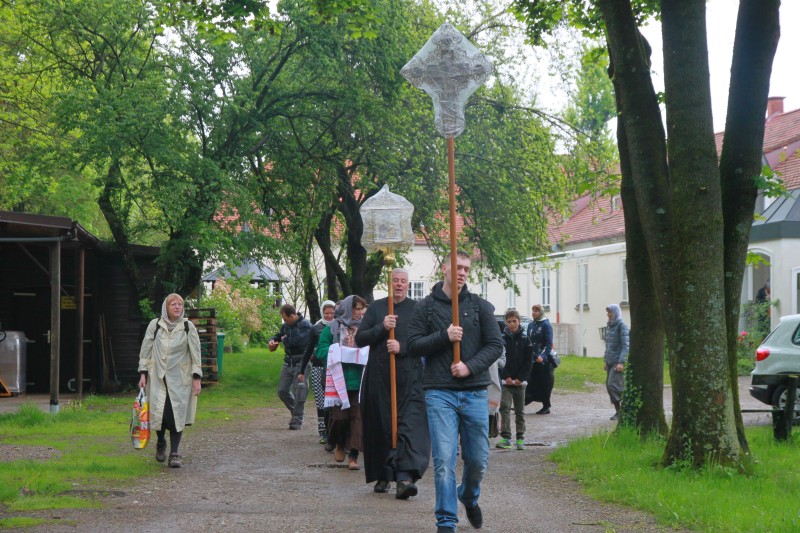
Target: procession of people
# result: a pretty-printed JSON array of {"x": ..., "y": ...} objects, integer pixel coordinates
[
  {"x": 394, "y": 382},
  {"x": 389, "y": 392}
]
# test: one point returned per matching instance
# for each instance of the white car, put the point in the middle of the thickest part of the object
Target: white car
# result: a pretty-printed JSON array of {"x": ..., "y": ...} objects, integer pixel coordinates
[{"x": 777, "y": 357}]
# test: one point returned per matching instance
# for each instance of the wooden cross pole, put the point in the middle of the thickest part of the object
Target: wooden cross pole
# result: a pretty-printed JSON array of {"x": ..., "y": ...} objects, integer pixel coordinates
[
  {"x": 389, "y": 262},
  {"x": 449, "y": 68}
]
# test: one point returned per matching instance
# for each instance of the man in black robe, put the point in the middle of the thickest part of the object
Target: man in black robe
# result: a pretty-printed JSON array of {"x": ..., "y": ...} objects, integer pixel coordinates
[{"x": 408, "y": 462}]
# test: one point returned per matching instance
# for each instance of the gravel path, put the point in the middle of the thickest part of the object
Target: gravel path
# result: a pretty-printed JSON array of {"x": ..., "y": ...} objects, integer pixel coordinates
[{"x": 256, "y": 475}]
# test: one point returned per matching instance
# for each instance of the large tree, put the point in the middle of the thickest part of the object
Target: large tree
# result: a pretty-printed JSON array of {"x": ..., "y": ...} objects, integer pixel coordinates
[
  {"x": 694, "y": 209},
  {"x": 373, "y": 128}
]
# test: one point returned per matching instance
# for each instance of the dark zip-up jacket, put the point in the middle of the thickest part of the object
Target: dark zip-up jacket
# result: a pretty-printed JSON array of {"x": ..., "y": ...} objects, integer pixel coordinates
[
  {"x": 519, "y": 355},
  {"x": 294, "y": 337},
  {"x": 481, "y": 344}
]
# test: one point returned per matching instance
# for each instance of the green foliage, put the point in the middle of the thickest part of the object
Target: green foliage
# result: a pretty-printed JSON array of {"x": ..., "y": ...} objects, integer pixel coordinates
[
  {"x": 246, "y": 314},
  {"x": 618, "y": 467},
  {"x": 146, "y": 308},
  {"x": 757, "y": 324}
]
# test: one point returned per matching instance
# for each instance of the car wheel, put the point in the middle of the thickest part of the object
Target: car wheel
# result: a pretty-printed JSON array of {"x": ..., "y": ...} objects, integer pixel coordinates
[{"x": 779, "y": 397}]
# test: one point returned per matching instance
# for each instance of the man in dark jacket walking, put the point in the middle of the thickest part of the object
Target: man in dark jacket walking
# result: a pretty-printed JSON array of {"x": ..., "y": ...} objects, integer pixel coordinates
[
  {"x": 455, "y": 393},
  {"x": 294, "y": 334}
]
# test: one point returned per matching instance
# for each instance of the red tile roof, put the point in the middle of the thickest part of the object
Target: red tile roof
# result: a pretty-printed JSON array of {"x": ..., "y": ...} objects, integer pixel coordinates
[
  {"x": 781, "y": 142},
  {"x": 782, "y": 130},
  {"x": 592, "y": 220}
]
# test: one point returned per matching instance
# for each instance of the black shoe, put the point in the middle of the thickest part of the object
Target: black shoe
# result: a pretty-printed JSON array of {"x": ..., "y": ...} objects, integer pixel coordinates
[
  {"x": 329, "y": 446},
  {"x": 174, "y": 460},
  {"x": 405, "y": 490},
  {"x": 475, "y": 516},
  {"x": 381, "y": 486},
  {"x": 161, "y": 451},
  {"x": 444, "y": 529},
  {"x": 543, "y": 411}
]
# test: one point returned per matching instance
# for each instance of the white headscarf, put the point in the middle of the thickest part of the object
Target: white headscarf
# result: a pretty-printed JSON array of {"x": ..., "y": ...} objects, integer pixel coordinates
[
  {"x": 326, "y": 303},
  {"x": 165, "y": 315}
]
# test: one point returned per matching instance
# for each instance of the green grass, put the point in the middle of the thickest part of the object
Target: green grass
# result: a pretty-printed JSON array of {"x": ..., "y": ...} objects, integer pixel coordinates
[
  {"x": 576, "y": 373},
  {"x": 88, "y": 442},
  {"x": 619, "y": 467}
]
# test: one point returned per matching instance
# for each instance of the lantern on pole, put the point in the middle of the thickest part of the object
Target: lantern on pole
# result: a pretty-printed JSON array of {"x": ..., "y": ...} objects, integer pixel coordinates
[
  {"x": 387, "y": 229},
  {"x": 449, "y": 68}
]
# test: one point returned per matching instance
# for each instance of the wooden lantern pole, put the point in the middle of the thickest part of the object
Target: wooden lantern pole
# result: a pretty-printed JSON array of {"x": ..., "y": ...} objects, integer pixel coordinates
[
  {"x": 389, "y": 262},
  {"x": 451, "y": 170}
]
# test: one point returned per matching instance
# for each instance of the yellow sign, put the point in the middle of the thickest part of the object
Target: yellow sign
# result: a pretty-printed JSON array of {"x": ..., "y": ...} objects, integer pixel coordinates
[{"x": 68, "y": 302}]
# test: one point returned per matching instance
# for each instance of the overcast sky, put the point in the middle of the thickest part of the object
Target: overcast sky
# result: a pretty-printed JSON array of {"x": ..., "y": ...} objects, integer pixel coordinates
[{"x": 721, "y": 22}]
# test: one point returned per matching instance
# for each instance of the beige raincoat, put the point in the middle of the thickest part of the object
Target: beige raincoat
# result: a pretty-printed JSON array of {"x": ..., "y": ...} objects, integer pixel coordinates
[{"x": 170, "y": 358}]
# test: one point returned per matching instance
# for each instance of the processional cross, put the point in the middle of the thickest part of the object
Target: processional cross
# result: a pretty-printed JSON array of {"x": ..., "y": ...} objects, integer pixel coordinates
[{"x": 449, "y": 68}]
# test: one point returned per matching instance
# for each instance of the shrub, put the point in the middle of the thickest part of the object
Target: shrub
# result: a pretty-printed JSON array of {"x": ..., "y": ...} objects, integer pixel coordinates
[{"x": 246, "y": 314}]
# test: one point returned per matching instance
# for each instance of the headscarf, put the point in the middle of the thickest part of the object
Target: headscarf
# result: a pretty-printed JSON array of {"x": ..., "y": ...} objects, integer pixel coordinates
[
  {"x": 343, "y": 318},
  {"x": 165, "y": 315},
  {"x": 616, "y": 313},
  {"x": 327, "y": 303}
]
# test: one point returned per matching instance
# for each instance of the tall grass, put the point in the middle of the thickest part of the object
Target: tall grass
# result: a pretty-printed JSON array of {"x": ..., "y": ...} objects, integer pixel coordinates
[{"x": 620, "y": 467}]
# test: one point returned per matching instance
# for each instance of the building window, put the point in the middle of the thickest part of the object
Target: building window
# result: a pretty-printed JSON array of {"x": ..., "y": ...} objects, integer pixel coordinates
[
  {"x": 511, "y": 296},
  {"x": 624, "y": 281},
  {"x": 484, "y": 289},
  {"x": 544, "y": 287},
  {"x": 616, "y": 203},
  {"x": 416, "y": 290},
  {"x": 583, "y": 284}
]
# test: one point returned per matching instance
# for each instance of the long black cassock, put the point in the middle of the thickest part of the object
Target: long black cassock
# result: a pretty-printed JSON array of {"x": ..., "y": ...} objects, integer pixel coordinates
[{"x": 413, "y": 439}]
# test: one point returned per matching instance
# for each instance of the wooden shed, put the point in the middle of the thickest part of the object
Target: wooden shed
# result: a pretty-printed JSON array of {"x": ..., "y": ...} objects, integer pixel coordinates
[{"x": 71, "y": 295}]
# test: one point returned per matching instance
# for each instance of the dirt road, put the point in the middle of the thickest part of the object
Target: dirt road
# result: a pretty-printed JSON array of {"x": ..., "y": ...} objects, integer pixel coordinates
[{"x": 257, "y": 475}]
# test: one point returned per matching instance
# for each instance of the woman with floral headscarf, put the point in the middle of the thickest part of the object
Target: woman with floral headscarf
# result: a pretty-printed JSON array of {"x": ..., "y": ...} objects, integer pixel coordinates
[
  {"x": 169, "y": 365},
  {"x": 345, "y": 422}
]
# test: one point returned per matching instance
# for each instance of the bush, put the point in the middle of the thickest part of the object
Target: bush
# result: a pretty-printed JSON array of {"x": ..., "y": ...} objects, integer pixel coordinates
[
  {"x": 245, "y": 313},
  {"x": 756, "y": 319}
]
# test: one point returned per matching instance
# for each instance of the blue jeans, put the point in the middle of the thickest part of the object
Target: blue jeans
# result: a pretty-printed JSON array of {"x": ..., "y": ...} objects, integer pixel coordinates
[{"x": 450, "y": 414}]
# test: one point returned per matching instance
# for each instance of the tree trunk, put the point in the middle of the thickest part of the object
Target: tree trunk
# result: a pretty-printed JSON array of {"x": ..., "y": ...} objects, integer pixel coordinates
[
  {"x": 757, "y": 34},
  {"x": 178, "y": 268},
  {"x": 703, "y": 423},
  {"x": 117, "y": 223},
  {"x": 643, "y": 397},
  {"x": 309, "y": 286},
  {"x": 680, "y": 210}
]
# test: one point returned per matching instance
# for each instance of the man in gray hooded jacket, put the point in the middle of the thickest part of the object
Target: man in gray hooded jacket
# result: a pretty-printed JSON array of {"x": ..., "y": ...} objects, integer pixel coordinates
[{"x": 617, "y": 345}]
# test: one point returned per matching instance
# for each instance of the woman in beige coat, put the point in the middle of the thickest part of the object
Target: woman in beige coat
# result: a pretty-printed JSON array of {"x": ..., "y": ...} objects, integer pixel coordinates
[{"x": 169, "y": 365}]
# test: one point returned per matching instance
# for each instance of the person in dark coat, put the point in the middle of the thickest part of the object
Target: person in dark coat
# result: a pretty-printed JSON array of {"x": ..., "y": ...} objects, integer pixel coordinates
[
  {"x": 408, "y": 462},
  {"x": 455, "y": 393},
  {"x": 519, "y": 356},
  {"x": 542, "y": 376},
  {"x": 617, "y": 346},
  {"x": 294, "y": 334}
]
